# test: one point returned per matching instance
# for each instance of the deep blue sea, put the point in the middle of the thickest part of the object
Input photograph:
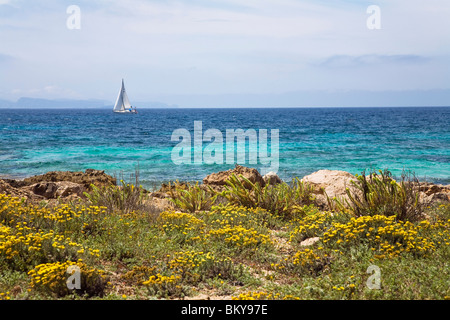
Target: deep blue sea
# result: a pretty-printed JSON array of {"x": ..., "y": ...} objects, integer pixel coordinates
[{"x": 351, "y": 139}]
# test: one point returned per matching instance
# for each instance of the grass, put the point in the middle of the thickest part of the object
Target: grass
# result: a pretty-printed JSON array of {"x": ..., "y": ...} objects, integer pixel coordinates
[{"x": 245, "y": 248}]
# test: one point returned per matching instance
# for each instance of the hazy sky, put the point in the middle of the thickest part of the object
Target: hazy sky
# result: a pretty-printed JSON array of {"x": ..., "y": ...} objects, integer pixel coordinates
[{"x": 167, "y": 49}]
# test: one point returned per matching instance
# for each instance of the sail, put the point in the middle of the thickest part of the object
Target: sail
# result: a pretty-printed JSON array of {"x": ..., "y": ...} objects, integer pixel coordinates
[
  {"x": 125, "y": 102},
  {"x": 122, "y": 102}
]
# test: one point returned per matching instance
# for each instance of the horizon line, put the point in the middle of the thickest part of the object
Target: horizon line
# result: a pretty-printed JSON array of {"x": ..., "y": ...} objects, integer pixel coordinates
[{"x": 249, "y": 107}]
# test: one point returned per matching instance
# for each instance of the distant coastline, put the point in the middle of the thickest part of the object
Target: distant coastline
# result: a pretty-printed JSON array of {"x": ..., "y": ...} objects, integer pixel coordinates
[
  {"x": 295, "y": 99},
  {"x": 38, "y": 103}
]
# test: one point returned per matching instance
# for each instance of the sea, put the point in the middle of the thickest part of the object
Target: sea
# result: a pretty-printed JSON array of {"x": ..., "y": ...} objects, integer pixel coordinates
[{"x": 402, "y": 139}]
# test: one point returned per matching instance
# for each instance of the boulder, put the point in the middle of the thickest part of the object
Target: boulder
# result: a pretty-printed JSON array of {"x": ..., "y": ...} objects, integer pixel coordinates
[
  {"x": 430, "y": 188},
  {"x": 44, "y": 189},
  {"x": 53, "y": 190},
  {"x": 309, "y": 242},
  {"x": 90, "y": 176},
  {"x": 272, "y": 178},
  {"x": 332, "y": 183},
  {"x": 435, "y": 198},
  {"x": 55, "y": 184},
  {"x": 67, "y": 188},
  {"x": 220, "y": 178},
  {"x": 7, "y": 188}
]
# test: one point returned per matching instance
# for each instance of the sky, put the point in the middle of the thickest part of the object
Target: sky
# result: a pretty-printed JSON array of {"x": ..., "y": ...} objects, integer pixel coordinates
[{"x": 228, "y": 52}]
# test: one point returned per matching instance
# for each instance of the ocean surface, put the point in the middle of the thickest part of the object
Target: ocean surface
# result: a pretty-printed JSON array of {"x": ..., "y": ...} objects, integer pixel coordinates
[{"x": 351, "y": 139}]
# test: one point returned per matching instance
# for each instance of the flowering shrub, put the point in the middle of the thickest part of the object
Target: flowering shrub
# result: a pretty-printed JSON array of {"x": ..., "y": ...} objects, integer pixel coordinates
[
  {"x": 179, "y": 221},
  {"x": 234, "y": 215},
  {"x": 52, "y": 278},
  {"x": 195, "y": 266},
  {"x": 385, "y": 235},
  {"x": 138, "y": 274},
  {"x": 5, "y": 295},
  {"x": 20, "y": 247},
  {"x": 240, "y": 238},
  {"x": 180, "y": 226},
  {"x": 13, "y": 210},
  {"x": 305, "y": 260},
  {"x": 164, "y": 286},
  {"x": 310, "y": 226},
  {"x": 263, "y": 295}
]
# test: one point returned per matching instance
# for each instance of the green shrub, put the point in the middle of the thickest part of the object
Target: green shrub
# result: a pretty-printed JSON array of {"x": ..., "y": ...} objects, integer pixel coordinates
[
  {"x": 52, "y": 278},
  {"x": 191, "y": 198},
  {"x": 281, "y": 199},
  {"x": 125, "y": 198},
  {"x": 380, "y": 194}
]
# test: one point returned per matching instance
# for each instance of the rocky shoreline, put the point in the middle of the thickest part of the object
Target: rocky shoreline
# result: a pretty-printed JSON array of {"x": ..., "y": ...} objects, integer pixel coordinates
[
  {"x": 55, "y": 184},
  {"x": 67, "y": 185}
]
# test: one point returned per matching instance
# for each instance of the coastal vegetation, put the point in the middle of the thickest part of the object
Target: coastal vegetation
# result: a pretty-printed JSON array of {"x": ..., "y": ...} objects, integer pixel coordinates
[{"x": 244, "y": 240}]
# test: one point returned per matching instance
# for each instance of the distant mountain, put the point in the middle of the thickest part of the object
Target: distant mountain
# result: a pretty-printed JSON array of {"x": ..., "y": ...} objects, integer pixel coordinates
[
  {"x": 6, "y": 104},
  {"x": 36, "y": 103},
  {"x": 60, "y": 103}
]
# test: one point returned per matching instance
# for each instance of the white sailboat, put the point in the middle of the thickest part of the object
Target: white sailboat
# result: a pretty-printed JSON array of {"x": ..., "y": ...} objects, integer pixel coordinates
[{"x": 122, "y": 103}]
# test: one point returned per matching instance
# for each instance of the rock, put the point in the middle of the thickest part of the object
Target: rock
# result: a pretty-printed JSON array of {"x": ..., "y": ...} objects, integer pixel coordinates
[
  {"x": 272, "y": 178},
  {"x": 90, "y": 176},
  {"x": 7, "y": 188},
  {"x": 309, "y": 241},
  {"x": 44, "y": 189},
  {"x": 438, "y": 197},
  {"x": 161, "y": 204},
  {"x": 55, "y": 184},
  {"x": 332, "y": 183},
  {"x": 430, "y": 188},
  {"x": 220, "y": 178},
  {"x": 53, "y": 190},
  {"x": 159, "y": 194},
  {"x": 67, "y": 188},
  {"x": 4, "y": 186}
]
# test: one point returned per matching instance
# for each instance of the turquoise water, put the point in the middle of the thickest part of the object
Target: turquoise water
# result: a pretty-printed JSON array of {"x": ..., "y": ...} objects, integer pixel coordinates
[{"x": 351, "y": 139}]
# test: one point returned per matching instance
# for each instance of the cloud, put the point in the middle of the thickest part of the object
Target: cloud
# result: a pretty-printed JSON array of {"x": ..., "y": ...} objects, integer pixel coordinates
[
  {"x": 220, "y": 46},
  {"x": 347, "y": 61}
]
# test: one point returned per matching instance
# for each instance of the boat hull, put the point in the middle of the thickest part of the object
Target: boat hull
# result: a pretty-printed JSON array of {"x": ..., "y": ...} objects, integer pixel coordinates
[{"x": 126, "y": 111}]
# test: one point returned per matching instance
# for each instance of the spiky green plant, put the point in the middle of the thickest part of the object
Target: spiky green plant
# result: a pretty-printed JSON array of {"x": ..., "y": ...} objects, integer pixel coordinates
[
  {"x": 280, "y": 199},
  {"x": 124, "y": 198},
  {"x": 191, "y": 198},
  {"x": 380, "y": 194}
]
